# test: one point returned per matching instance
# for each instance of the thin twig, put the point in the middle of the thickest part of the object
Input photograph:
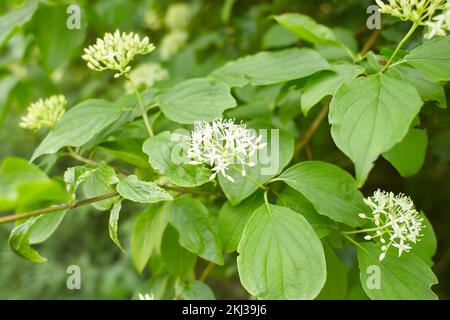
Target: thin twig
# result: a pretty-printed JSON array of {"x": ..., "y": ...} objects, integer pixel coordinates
[
  {"x": 314, "y": 126},
  {"x": 370, "y": 42},
  {"x": 59, "y": 207}
]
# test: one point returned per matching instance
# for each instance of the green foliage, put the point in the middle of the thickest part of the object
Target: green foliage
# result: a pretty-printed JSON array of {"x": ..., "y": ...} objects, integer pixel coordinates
[
  {"x": 331, "y": 191},
  {"x": 410, "y": 279},
  {"x": 267, "y": 68},
  {"x": 277, "y": 215},
  {"x": 197, "y": 229},
  {"x": 79, "y": 125},
  {"x": 131, "y": 188},
  {"x": 270, "y": 266},
  {"x": 166, "y": 157},
  {"x": 196, "y": 100},
  {"x": 371, "y": 115}
]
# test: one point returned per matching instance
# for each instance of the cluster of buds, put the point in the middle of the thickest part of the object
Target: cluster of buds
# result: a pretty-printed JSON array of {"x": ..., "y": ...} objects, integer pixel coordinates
[
  {"x": 178, "y": 16},
  {"x": 44, "y": 113},
  {"x": 433, "y": 14},
  {"x": 398, "y": 223},
  {"x": 221, "y": 144},
  {"x": 147, "y": 75},
  {"x": 116, "y": 51}
]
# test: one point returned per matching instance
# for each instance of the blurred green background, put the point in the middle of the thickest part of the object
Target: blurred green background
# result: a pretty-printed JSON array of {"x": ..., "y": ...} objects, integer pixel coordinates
[{"x": 41, "y": 57}]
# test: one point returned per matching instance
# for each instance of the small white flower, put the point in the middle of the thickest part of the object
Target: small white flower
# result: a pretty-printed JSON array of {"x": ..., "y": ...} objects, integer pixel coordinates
[
  {"x": 398, "y": 223},
  {"x": 146, "y": 296},
  {"x": 116, "y": 51},
  {"x": 221, "y": 144},
  {"x": 44, "y": 113},
  {"x": 433, "y": 14}
]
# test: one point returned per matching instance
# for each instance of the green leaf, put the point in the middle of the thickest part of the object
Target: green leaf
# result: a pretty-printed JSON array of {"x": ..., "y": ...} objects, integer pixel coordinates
[
  {"x": 37, "y": 195},
  {"x": 270, "y": 162},
  {"x": 331, "y": 190},
  {"x": 327, "y": 83},
  {"x": 196, "y": 290},
  {"x": 15, "y": 19},
  {"x": 266, "y": 68},
  {"x": 56, "y": 42},
  {"x": 75, "y": 176},
  {"x": 342, "y": 51},
  {"x": 133, "y": 189},
  {"x": 428, "y": 91},
  {"x": 280, "y": 256},
  {"x": 37, "y": 229},
  {"x": 432, "y": 59},
  {"x": 147, "y": 234},
  {"x": 371, "y": 115},
  {"x": 101, "y": 181},
  {"x": 277, "y": 37},
  {"x": 198, "y": 232},
  {"x": 79, "y": 125},
  {"x": 335, "y": 287},
  {"x": 20, "y": 244},
  {"x": 178, "y": 260},
  {"x": 306, "y": 28},
  {"x": 128, "y": 150},
  {"x": 114, "y": 224},
  {"x": 165, "y": 154},
  {"x": 408, "y": 156},
  {"x": 15, "y": 172},
  {"x": 297, "y": 202},
  {"x": 232, "y": 220},
  {"x": 401, "y": 278},
  {"x": 196, "y": 100}
]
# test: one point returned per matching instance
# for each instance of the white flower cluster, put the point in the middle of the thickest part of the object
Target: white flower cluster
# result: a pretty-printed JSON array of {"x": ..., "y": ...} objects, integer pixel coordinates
[
  {"x": 439, "y": 24},
  {"x": 152, "y": 19},
  {"x": 146, "y": 296},
  {"x": 146, "y": 74},
  {"x": 177, "y": 20},
  {"x": 172, "y": 43},
  {"x": 116, "y": 51},
  {"x": 178, "y": 16},
  {"x": 221, "y": 144},
  {"x": 398, "y": 223},
  {"x": 44, "y": 113},
  {"x": 433, "y": 14}
]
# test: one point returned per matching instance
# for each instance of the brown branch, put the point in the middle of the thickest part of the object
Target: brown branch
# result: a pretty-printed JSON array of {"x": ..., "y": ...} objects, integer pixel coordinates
[
  {"x": 55, "y": 208},
  {"x": 314, "y": 126},
  {"x": 370, "y": 42}
]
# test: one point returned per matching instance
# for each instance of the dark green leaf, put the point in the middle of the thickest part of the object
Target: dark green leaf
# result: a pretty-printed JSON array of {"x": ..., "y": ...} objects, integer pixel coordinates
[{"x": 198, "y": 232}]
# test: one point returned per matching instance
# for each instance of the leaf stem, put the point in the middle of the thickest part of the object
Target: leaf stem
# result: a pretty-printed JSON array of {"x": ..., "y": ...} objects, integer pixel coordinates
[
  {"x": 59, "y": 207},
  {"x": 400, "y": 45},
  {"x": 141, "y": 105},
  {"x": 250, "y": 178},
  {"x": 207, "y": 271},
  {"x": 72, "y": 153}
]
